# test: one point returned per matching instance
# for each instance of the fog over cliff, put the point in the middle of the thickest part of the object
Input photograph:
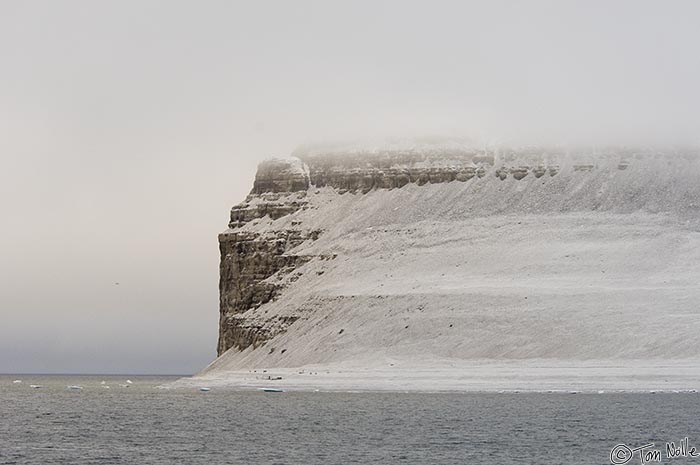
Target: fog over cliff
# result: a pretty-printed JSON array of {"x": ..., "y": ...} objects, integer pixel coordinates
[{"x": 129, "y": 129}]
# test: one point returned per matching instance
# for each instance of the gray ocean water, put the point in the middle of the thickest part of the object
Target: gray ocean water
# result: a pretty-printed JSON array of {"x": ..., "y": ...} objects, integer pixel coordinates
[{"x": 142, "y": 424}]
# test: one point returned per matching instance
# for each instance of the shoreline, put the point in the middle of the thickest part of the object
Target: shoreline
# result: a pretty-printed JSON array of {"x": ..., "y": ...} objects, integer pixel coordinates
[{"x": 541, "y": 376}]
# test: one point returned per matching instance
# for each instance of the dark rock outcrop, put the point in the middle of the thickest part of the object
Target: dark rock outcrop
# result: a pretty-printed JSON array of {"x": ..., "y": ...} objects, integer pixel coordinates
[
  {"x": 388, "y": 170},
  {"x": 247, "y": 261},
  {"x": 281, "y": 175}
]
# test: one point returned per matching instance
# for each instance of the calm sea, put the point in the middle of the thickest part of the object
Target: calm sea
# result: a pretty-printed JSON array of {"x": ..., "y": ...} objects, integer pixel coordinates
[{"x": 142, "y": 424}]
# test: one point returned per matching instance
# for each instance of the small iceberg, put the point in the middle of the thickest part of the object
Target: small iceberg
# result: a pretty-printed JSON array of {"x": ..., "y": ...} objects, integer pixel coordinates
[
  {"x": 17, "y": 381},
  {"x": 74, "y": 388},
  {"x": 271, "y": 390},
  {"x": 205, "y": 389},
  {"x": 128, "y": 381},
  {"x": 36, "y": 386},
  {"x": 103, "y": 382}
]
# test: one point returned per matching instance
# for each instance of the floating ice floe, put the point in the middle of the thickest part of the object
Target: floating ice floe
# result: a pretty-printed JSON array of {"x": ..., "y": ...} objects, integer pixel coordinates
[
  {"x": 17, "y": 381},
  {"x": 205, "y": 389},
  {"x": 128, "y": 381},
  {"x": 36, "y": 386}
]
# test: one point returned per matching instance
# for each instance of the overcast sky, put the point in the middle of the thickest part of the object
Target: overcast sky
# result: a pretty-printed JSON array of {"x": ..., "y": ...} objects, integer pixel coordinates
[{"x": 129, "y": 128}]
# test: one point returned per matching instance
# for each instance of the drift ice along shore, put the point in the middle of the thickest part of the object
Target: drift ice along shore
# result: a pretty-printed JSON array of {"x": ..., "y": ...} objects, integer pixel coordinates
[{"x": 461, "y": 269}]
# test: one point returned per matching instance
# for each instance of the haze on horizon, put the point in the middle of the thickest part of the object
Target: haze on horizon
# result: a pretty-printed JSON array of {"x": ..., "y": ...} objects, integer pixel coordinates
[{"x": 128, "y": 130}]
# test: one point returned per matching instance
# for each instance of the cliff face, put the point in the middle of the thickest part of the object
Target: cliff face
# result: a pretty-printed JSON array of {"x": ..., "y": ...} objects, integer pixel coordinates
[
  {"x": 390, "y": 246},
  {"x": 249, "y": 258}
]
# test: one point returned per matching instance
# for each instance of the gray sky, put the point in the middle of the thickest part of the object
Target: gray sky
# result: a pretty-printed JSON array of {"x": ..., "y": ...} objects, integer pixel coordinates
[{"x": 129, "y": 128}]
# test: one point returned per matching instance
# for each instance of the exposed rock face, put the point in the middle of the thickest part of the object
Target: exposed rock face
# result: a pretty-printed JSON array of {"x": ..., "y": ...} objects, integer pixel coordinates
[
  {"x": 270, "y": 241},
  {"x": 247, "y": 260},
  {"x": 281, "y": 175},
  {"x": 366, "y": 171}
]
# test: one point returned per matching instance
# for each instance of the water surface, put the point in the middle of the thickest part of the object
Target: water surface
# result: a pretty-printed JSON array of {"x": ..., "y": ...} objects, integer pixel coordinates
[{"x": 142, "y": 424}]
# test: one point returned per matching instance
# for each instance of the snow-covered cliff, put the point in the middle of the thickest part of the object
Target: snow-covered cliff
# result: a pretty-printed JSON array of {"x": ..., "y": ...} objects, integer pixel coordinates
[{"x": 401, "y": 257}]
